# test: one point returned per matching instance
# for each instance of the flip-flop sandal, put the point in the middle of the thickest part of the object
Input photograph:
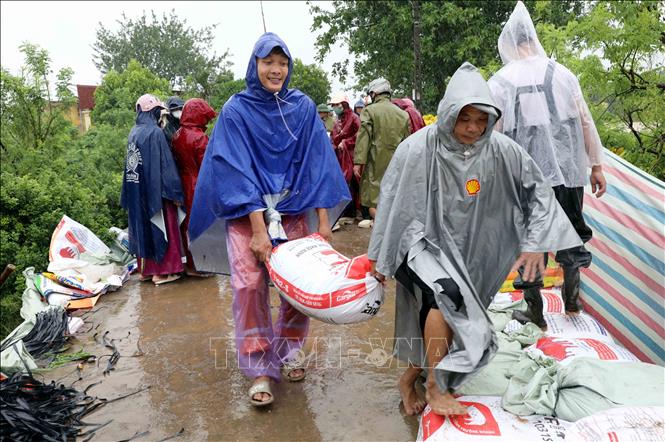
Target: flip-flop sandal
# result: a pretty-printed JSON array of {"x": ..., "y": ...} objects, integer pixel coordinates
[
  {"x": 286, "y": 370},
  {"x": 260, "y": 387},
  {"x": 168, "y": 279}
]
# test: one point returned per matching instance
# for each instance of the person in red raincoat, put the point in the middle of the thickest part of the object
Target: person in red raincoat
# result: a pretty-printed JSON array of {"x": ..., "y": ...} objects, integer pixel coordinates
[
  {"x": 343, "y": 139},
  {"x": 189, "y": 145},
  {"x": 416, "y": 121}
]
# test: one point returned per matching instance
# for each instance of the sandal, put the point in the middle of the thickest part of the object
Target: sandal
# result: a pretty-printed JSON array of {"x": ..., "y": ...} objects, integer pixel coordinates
[
  {"x": 287, "y": 370},
  {"x": 260, "y": 387},
  {"x": 169, "y": 278}
]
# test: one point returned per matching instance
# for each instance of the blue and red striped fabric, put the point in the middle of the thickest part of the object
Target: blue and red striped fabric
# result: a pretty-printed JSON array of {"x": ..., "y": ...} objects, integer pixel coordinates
[{"x": 624, "y": 288}]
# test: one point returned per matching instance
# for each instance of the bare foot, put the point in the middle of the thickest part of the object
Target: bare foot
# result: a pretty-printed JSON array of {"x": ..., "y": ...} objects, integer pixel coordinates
[
  {"x": 443, "y": 404},
  {"x": 261, "y": 397},
  {"x": 413, "y": 403}
]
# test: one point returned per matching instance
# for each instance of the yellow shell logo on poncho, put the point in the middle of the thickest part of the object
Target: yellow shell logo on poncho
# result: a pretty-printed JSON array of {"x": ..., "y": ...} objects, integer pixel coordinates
[{"x": 472, "y": 187}]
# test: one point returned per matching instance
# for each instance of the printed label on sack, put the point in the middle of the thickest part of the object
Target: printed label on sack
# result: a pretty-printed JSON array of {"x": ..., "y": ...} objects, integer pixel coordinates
[
  {"x": 486, "y": 420},
  {"x": 479, "y": 421},
  {"x": 563, "y": 349}
]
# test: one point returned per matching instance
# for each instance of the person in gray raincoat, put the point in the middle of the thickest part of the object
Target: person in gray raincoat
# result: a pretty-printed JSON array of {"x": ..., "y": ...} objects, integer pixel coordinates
[
  {"x": 460, "y": 205},
  {"x": 545, "y": 112}
]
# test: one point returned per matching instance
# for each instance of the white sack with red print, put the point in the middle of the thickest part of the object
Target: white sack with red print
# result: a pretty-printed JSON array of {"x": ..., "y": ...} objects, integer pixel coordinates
[
  {"x": 324, "y": 284},
  {"x": 487, "y": 421}
]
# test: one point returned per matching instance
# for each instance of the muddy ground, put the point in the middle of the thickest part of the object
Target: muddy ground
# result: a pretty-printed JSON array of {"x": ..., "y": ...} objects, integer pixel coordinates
[{"x": 185, "y": 329}]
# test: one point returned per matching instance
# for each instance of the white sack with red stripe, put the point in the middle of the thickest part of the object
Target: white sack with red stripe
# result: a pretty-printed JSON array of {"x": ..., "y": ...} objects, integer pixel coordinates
[
  {"x": 552, "y": 300},
  {"x": 487, "y": 421},
  {"x": 565, "y": 350},
  {"x": 324, "y": 284}
]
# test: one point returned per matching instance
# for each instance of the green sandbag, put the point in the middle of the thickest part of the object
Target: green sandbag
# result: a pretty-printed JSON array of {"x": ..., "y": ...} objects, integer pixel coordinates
[
  {"x": 540, "y": 385},
  {"x": 492, "y": 380},
  {"x": 501, "y": 314},
  {"x": 528, "y": 334}
]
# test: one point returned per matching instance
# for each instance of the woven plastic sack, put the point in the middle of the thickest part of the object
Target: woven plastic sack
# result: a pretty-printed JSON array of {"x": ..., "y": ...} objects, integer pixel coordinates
[{"x": 324, "y": 284}]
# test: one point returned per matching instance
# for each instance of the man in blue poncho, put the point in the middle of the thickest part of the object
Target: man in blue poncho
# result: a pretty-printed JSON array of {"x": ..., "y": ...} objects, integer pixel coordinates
[{"x": 269, "y": 174}]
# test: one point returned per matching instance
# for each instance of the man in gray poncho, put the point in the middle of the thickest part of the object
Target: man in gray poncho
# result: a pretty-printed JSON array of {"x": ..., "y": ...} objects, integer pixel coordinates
[{"x": 459, "y": 206}]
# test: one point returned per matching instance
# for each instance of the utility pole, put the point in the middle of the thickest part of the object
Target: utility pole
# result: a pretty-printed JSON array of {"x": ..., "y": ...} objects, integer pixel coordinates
[
  {"x": 263, "y": 16},
  {"x": 417, "y": 62}
]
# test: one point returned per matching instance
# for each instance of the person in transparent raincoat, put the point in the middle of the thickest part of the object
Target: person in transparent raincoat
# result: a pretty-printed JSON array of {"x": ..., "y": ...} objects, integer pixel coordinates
[{"x": 544, "y": 112}]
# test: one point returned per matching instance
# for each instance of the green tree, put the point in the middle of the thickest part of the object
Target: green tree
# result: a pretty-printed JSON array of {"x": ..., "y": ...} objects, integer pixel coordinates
[
  {"x": 115, "y": 98},
  {"x": 224, "y": 90},
  {"x": 48, "y": 170},
  {"x": 32, "y": 118},
  {"x": 311, "y": 80},
  {"x": 166, "y": 46},
  {"x": 380, "y": 38},
  {"x": 616, "y": 49}
]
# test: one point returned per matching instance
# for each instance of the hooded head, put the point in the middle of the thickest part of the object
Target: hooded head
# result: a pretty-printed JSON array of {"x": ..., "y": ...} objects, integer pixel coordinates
[
  {"x": 518, "y": 38},
  {"x": 339, "y": 103},
  {"x": 359, "y": 105},
  {"x": 197, "y": 112},
  {"x": 174, "y": 106},
  {"x": 466, "y": 88},
  {"x": 269, "y": 68}
]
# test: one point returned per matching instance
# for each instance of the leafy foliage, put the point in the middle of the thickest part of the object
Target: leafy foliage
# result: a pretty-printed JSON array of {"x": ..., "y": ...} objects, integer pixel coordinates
[
  {"x": 311, "y": 80},
  {"x": 379, "y": 37},
  {"x": 224, "y": 91},
  {"x": 166, "y": 46},
  {"x": 115, "y": 98},
  {"x": 30, "y": 117},
  {"x": 48, "y": 170},
  {"x": 616, "y": 49}
]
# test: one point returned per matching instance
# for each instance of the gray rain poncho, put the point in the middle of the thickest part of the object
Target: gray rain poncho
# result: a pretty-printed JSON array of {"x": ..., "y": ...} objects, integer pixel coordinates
[
  {"x": 543, "y": 107},
  {"x": 463, "y": 212}
]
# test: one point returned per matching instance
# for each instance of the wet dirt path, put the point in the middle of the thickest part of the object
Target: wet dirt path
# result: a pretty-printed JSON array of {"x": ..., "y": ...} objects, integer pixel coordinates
[{"x": 185, "y": 332}]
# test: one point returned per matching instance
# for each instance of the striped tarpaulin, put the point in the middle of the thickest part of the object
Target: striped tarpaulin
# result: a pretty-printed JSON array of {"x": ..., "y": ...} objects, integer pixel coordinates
[{"x": 624, "y": 288}]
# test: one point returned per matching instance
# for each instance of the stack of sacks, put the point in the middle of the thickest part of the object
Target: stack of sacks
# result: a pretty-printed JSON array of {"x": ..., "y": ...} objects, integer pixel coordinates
[
  {"x": 575, "y": 368},
  {"x": 81, "y": 265},
  {"x": 574, "y": 373}
]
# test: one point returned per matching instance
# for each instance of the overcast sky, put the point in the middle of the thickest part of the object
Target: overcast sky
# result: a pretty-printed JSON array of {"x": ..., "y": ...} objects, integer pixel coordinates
[{"x": 67, "y": 30}]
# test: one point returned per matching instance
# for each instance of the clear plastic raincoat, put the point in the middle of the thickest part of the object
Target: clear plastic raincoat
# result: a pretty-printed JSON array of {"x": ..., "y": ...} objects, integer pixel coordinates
[{"x": 543, "y": 107}]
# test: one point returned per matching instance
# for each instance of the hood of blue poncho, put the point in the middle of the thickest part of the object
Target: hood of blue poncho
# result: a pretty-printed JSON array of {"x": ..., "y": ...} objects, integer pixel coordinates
[
  {"x": 266, "y": 43},
  {"x": 266, "y": 144}
]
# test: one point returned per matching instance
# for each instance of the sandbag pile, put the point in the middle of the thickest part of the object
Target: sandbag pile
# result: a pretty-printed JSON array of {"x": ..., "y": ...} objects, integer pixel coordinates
[
  {"x": 573, "y": 374},
  {"x": 81, "y": 265},
  {"x": 81, "y": 268}
]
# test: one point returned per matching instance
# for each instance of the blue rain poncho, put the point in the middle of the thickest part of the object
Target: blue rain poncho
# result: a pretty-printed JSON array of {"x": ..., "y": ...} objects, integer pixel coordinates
[
  {"x": 150, "y": 176},
  {"x": 267, "y": 152}
]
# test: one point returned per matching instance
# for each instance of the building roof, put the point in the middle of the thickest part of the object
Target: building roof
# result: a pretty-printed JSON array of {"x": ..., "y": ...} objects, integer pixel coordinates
[{"x": 86, "y": 96}]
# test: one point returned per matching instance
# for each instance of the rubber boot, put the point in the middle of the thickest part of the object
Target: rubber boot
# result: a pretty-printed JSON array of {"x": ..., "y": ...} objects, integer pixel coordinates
[
  {"x": 571, "y": 289},
  {"x": 534, "y": 311}
]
